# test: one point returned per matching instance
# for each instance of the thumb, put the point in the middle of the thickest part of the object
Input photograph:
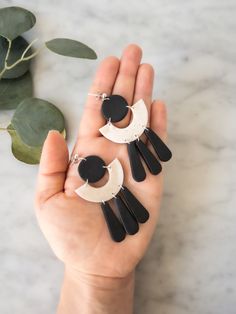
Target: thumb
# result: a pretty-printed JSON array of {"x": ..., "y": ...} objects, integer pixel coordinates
[{"x": 52, "y": 168}]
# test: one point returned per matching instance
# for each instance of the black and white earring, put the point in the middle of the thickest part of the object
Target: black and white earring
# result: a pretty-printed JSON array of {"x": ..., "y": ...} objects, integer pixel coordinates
[
  {"x": 115, "y": 108},
  {"x": 131, "y": 212}
]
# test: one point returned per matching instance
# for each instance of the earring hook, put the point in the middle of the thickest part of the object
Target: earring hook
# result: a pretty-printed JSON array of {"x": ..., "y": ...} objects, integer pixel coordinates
[
  {"x": 75, "y": 159},
  {"x": 98, "y": 95}
]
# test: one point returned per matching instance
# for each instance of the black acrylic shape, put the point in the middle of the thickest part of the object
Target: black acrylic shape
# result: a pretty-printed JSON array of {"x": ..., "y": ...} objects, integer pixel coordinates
[
  {"x": 91, "y": 168},
  {"x": 160, "y": 147},
  {"x": 137, "y": 169},
  {"x": 151, "y": 161},
  {"x": 114, "y": 108},
  {"x": 115, "y": 227},
  {"x": 135, "y": 206},
  {"x": 129, "y": 221}
]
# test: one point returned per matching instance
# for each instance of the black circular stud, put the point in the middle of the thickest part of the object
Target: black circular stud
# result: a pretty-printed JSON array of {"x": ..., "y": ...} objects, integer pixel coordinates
[
  {"x": 92, "y": 169},
  {"x": 114, "y": 108}
]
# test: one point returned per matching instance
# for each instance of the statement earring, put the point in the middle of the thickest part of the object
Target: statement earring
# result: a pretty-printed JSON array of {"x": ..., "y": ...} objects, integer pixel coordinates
[
  {"x": 131, "y": 212},
  {"x": 114, "y": 108}
]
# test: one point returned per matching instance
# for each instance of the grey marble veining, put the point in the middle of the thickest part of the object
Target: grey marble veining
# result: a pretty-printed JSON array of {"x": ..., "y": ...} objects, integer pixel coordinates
[{"x": 190, "y": 265}]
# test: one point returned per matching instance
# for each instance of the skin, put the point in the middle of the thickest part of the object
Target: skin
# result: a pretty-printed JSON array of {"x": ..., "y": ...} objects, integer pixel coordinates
[{"x": 99, "y": 273}]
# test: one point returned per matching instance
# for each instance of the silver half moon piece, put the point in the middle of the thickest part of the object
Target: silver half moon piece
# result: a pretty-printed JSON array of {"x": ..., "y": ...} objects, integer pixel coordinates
[
  {"x": 107, "y": 191},
  {"x": 133, "y": 131}
]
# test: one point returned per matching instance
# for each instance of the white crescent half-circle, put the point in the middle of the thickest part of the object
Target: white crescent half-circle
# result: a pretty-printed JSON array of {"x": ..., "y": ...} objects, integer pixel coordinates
[
  {"x": 133, "y": 131},
  {"x": 107, "y": 191}
]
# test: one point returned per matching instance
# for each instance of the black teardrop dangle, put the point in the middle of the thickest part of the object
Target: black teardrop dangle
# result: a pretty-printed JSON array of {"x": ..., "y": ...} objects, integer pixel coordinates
[
  {"x": 151, "y": 161},
  {"x": 135, "y": 206},
  {"x": 115, "y": 227},
  {"x": 91, "y": 168},
  {"x": 137, "y": 169},
  {"x": 160, "y": 147},
  {"x": 129, "y": 221},
  {"x": 114, "y": 108}
]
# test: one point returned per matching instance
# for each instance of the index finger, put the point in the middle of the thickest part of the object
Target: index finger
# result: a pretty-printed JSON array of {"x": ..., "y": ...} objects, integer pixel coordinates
[{"x": 104, "y": 80}]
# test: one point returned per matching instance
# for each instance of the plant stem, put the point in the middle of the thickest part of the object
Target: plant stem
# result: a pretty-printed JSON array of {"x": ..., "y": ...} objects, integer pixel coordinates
[
  {"x": 29, "y": 46},
  {"x": 22, "y": 58},
  {"x": 8, "y": 50},
  {"x": 6, "y": 58},
  {"x": 6, "y": 129},
  {"x": 9, "y": 67}
]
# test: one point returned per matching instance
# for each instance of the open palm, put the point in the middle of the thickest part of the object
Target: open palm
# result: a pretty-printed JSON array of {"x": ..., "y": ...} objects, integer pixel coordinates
[{"x": 75, "y": 228}]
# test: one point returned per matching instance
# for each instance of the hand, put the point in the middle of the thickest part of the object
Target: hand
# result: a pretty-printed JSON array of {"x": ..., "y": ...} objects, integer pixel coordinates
[{"x": 76, "y": 229}]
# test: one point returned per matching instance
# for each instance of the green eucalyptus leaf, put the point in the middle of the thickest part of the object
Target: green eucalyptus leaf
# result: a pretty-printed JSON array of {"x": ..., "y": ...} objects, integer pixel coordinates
[
  {"x": 14, "y": 21},
  {"x": 34, "y": 118},
  {"x": 21, "y": 151},
  {"x": 70, "y": 48},
  {"x": 19, "y": 45},
  {"x": 12, "y": 92}
]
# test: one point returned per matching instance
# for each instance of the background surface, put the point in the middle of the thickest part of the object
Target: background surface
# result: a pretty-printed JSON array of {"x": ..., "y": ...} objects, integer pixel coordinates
[{"x": 190, "y": 266}]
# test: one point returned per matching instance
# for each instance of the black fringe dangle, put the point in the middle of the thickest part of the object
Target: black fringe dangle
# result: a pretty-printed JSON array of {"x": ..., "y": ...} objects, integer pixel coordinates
[
  {"x": 130, "y": 212},
  {"x": 114, "y": 109}
]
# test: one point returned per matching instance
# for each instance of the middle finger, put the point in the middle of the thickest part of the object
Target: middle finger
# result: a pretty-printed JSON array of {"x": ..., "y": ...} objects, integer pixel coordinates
[{"x": 125, "y": 81}]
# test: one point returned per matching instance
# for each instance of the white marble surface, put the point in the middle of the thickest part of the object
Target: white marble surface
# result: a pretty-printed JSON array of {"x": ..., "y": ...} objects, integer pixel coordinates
[{"x": 191, "y": 264}]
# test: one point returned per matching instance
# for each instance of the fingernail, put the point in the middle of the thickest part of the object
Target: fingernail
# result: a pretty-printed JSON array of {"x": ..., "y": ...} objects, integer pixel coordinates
[{"x": 52, "y": 131}]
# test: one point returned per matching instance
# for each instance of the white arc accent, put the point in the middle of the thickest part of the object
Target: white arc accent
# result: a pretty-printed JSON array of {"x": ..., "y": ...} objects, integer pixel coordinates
[
  {"x": 107, "y": 191},
  {"x": 133, "y": 131}
]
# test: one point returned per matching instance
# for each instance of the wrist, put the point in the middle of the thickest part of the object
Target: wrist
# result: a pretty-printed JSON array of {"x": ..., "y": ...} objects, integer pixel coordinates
[{"x": 83, "y": 293}]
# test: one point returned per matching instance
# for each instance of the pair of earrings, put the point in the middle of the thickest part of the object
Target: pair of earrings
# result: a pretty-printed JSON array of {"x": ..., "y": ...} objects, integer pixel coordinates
[{"x": 92, "y": 168}]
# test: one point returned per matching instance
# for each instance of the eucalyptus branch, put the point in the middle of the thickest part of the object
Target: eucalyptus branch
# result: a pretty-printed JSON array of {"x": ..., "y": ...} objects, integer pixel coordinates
[
  {"x": 29, "y": 46},
  {"x": 8, "y": 51},
  {"x": 6, "y": 58},
  {"x": 22, "y": 58}
]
